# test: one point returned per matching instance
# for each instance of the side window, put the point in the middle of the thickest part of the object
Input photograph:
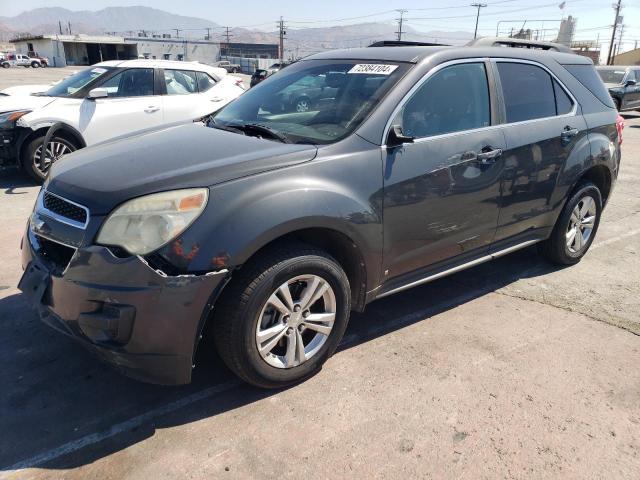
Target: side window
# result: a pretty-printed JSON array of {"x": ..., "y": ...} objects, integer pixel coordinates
[
  {"x": 180, "y": 82},
  {"x": 528, "y": 92},
  {"x": 205, "y": 82},
  {"x": 454, "y": 99},
  {"x": 564, "y": 104},
  {"x": 135, "y": 82}
]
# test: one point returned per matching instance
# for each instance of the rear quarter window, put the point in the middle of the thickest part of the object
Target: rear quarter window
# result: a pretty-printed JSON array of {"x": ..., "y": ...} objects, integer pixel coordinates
[{"x": 587, "y": 76}]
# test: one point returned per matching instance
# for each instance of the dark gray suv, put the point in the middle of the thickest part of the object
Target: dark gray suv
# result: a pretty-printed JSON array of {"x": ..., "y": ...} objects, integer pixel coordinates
[{"x": 270, "y": 226}]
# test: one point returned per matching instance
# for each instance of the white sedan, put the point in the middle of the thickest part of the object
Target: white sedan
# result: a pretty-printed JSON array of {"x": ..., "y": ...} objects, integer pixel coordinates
[{"x": 105, "y": 101}]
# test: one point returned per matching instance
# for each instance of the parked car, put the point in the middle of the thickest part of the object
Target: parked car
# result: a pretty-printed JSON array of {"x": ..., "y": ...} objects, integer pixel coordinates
[
  {"x": 228, "y": 66},
  {"x": 44, "y": 61},
  {"x": 105, "y": 101},
  {"x": 623, "y": 84},
  {"x": 258, "y": 76},
  {"x": 266, "y": 229},
  {"x": 20, "y": 60},
  {"x": 276, "y": 67}
]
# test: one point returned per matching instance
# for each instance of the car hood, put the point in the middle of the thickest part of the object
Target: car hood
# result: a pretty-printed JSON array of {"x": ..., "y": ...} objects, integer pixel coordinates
[
  {"x": 25, "y": 89},
  {"x": 189, "y": 155},
  {"x": 23, "y": 102}
]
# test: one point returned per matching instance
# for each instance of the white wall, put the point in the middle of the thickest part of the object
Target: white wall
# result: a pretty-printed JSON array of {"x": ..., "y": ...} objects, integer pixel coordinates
[{"x": 46, "y": 47}]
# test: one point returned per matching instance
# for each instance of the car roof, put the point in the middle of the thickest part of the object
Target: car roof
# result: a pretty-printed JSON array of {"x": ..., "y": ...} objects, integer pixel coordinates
[
  {"x": 417, "y": 54},
  {"x": 151, "y": 63}
]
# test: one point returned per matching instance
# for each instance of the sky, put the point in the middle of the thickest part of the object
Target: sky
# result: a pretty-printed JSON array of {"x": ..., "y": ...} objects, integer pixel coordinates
[{"x": 594, "y": 16}]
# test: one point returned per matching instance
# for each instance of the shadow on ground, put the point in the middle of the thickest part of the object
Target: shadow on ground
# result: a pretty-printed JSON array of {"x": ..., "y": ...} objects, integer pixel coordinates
[
  {"x": 54, "y": 392},
  {"x": 12, "y": 179}
]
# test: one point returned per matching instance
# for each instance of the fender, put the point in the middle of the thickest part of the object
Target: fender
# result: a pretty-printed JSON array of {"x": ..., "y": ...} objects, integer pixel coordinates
[
  {"x": 243, "y": 216},
  {"x": 63, "y": 127}
]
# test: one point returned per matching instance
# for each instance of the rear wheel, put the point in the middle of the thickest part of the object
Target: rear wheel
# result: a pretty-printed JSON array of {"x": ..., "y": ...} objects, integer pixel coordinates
[
  {"x": 283, "y": 316},
  {"x": 576, "y": 227},
  {"x": 38, "y": 165},
  {"x": 617, "y": 103}
]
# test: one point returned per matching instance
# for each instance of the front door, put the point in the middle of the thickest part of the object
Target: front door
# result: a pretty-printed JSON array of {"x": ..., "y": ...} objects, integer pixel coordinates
[
  {"x": 130, "y": 107},
  {"x": 441, "y": 192}
]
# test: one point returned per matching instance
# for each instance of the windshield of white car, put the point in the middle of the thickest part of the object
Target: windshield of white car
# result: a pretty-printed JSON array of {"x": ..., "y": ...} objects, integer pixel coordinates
[
  {"x": 611, "y": 76},
  {"x": 316, "y": 102},
  {"x": 77, "y": 81}
]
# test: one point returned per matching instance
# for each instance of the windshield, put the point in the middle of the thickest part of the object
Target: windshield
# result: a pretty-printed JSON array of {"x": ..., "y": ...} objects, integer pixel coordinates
[
  {"x": 611, "y": 76},
  {"x": 313, "y": 101},
  {"x": 75, "y": 82}
]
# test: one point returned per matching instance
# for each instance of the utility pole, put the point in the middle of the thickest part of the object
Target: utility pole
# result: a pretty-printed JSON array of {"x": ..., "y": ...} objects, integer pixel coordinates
[
  {"x": 618, "y": 6},
  {"x": 177, "y": 32},
  {"x": 282, "y": 34},
  {"x": 69, "y": 23},
  {"x": 478, "y": 6},
  {"x": 619, "y": 49},
  {"x": 400, "y": 20},
  {"x": 227, "y": 35},
  {"x": 208, "y": 33},
  {"x": 60, "y": 26}
]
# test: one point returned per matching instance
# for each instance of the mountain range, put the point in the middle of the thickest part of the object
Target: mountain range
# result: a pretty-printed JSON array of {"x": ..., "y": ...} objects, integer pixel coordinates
[{"x": 131, "y": 20}]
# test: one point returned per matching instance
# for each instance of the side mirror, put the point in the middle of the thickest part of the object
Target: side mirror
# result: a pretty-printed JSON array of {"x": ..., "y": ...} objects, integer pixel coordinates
[
  {"x": 630, "y": 83},
  {"x": 396, "y": 137},
  {"x": 98, "y": 93}
]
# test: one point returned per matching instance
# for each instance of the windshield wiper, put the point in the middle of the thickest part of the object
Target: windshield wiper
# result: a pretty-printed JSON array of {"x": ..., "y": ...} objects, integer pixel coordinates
[
  {"x": 258, "y": 128},
  {"x": 227, "y": 128}
]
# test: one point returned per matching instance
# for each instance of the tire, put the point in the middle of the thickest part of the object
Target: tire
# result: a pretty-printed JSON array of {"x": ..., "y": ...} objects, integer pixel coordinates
[
  {"x": 617, "y": 104},
  {"x": 560, "y": 248},
  {"x": 245, "y": 316},
  {"x": 234, "y": 70},
  {"x": 30, "y": 156},
  {"x": 35, "y": 64},
  {"x": 5, "y": 65}
]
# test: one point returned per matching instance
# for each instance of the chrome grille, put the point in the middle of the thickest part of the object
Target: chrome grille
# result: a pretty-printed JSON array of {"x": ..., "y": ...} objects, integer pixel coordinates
[{"x": 73, "y": 213}]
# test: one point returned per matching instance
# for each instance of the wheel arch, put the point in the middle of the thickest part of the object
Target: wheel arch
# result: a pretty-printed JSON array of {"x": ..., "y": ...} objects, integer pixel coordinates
[
  {"x": 67, "y": 131},
  {"x": 600, "y": 176}
]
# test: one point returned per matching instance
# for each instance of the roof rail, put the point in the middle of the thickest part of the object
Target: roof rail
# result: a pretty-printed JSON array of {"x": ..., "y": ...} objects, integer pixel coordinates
[
  {"x": 518, "y": 43},
  {"x": 404, "y": 43}
]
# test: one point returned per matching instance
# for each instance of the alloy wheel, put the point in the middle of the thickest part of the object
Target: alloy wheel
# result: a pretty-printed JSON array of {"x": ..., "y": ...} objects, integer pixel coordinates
[
  {"x": 296, "y": 321},
  {"x": 302, "y": 106},
  {"x": 581, "y": 223},
  {"x": 55, "y": 150}
]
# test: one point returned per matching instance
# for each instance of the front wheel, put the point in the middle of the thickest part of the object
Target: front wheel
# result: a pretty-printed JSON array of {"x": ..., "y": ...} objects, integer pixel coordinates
[
  {"x": 283, "y": 316},
  {"x": 35, "y": 64},
  {"x": 576, "y": 227},
  {"x": 38, "y": 165}
]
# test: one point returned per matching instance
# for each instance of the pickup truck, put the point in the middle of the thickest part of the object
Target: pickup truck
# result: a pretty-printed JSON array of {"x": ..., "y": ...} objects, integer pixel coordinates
[
  {"x": 20, "y": 60},
  {"x": 228, "y": 66}
]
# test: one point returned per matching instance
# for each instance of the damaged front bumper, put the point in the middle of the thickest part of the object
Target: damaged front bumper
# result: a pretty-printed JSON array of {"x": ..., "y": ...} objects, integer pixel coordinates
[{"x": 142, "y": 321}]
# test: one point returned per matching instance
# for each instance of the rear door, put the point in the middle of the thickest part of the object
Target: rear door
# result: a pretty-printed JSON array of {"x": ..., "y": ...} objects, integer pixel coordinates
[
  {"x": 189, "y": 95},
  {"x": 632, "y": 92},
  {"x": 441, "y": 192},
  {"x": 543, "y": 130}
]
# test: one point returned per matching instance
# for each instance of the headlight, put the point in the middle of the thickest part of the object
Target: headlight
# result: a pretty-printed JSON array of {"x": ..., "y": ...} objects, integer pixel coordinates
[
  {"x": 144, "y": 224},
  {"x": 8, "y": 118}
]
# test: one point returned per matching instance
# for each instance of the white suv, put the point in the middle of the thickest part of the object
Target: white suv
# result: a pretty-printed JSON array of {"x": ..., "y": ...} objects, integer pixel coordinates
[{"x": 108, "y": 100}]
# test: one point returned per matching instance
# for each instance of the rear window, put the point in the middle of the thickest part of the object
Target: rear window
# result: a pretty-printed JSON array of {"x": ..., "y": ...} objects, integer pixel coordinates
[{"x": 588, "y": 77}]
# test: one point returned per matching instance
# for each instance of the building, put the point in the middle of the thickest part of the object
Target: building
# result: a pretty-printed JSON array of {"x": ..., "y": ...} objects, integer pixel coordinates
[
  {"x": 166, "y": 47},
  {"x": 587, "y": 48},
  {"x": 249, "y": 50},
  {"x": 632, "y": 57},
  {"x": 63, "y": 50}
]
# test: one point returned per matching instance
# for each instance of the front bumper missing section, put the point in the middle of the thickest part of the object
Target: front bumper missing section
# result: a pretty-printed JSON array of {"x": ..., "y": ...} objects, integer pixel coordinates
[{"x": 145, "y": 323}]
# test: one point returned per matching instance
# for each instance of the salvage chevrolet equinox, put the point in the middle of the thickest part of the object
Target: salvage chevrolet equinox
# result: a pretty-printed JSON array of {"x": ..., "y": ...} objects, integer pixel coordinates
[{"x": 268, "y": 225}]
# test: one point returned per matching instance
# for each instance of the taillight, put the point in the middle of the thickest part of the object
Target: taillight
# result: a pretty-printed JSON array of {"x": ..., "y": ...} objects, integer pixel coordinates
[{"x": 620, "y": 127}]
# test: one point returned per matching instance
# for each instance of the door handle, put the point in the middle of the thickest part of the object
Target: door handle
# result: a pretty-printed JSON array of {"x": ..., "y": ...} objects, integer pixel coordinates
[
  {"x": 490, "y": 156},
  {"x": 151, "y": 109},
  {"x": 567, "y": 134}
]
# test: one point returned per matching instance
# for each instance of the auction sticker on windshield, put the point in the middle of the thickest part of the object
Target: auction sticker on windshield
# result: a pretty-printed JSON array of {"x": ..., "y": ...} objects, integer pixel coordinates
[{"x": 374, "y": 68}]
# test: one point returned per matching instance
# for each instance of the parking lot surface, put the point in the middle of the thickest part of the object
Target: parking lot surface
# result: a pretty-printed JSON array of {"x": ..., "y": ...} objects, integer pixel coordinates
[{"x": 512, "y": 369}]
